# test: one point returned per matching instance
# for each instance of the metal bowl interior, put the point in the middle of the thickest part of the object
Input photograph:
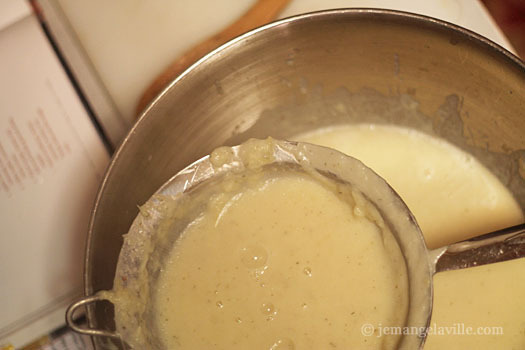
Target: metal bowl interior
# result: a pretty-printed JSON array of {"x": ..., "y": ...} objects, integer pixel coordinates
[{"x": 301, "y": 73}]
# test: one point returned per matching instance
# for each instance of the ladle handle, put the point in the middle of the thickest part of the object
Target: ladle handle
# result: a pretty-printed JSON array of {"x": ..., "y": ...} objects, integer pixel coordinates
[
  {"x": 70, "y": 312},
  {"x": 503, "y": 245}
]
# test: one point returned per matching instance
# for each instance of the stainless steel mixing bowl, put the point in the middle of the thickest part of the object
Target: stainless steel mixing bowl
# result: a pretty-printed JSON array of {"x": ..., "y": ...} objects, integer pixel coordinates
[{"x": 297, "y": 74}]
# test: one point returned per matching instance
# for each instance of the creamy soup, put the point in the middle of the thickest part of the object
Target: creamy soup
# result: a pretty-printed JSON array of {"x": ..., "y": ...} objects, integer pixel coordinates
[
  {"x": 453, "y": 197},
  {"x": 282, "y": 260}
]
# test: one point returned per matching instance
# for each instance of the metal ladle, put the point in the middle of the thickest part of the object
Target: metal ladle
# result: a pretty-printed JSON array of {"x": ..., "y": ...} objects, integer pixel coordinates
[{"x": 421, "y": 263}]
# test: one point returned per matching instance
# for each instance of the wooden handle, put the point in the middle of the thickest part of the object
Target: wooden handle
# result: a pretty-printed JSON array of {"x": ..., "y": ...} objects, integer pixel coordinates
[{"x": 262, "y": 12}]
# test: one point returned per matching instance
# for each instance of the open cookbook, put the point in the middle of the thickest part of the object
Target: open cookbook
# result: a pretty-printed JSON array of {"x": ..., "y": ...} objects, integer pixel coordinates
[{"x": 53, "y": 154}]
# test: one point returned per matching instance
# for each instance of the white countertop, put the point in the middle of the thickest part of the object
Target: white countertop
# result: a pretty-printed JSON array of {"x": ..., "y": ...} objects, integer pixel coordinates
[{"x": 131, "y": 41}]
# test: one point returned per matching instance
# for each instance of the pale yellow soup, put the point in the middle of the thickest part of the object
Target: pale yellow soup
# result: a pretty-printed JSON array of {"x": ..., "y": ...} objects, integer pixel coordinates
[
  {"x": 453, "y": 197},
  {"x": 282, "y": 262}
]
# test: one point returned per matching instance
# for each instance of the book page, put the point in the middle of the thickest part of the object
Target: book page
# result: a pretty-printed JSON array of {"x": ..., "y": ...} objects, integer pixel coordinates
[
  {"x": 51, "y": 163},
  {"x": 12, "y": 11}
]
